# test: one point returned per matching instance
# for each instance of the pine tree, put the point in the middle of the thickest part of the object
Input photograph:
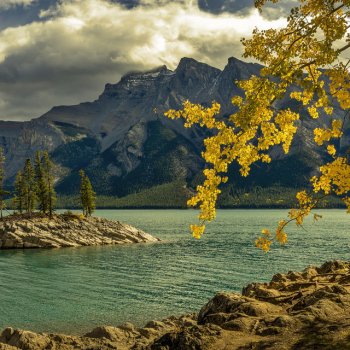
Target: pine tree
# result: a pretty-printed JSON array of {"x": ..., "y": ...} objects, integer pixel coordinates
[
  {"x": 41, "y": 184},
  {"x": 87, "y": 194},
  {"x": 2, "y": 176},
  {"x": 83, "y": 191},
  {"x": 19, "y": 193},
  {"x": 91, "y": 197},
  {"x": 29, "y": 187},
  {"x": 47, "y": 166}
]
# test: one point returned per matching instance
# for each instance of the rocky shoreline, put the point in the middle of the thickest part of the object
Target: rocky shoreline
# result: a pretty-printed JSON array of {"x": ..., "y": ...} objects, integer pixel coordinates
[
  {"x": 66, "y": 230},
  {"x": 297, "y": 310}
]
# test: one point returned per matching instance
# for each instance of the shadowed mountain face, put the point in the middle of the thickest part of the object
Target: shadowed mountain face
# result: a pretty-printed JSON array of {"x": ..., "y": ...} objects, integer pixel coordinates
[{"x": 126, "y": 144}]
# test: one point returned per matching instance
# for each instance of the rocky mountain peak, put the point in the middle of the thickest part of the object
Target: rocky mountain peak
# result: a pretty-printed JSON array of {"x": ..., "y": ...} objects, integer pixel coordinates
[
  {"x": 233, "y": 61},
  {"x": 194, "y": 79},
  {"x": 135, "y": 79},
  {"x": 120, "y": 136},
  {"x": 147, "y": 74},
  {"x": 190, "y": 65},
  {"x": 187, "y": 62},
  {"x": 238, "y": 69}
]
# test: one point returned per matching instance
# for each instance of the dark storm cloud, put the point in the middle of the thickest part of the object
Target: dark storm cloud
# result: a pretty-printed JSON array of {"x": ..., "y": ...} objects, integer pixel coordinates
[{"x": 77, "y": 46}]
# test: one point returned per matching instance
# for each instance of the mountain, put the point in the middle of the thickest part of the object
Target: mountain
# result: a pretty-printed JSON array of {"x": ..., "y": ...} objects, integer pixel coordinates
[{"x": 125, "y": 144}]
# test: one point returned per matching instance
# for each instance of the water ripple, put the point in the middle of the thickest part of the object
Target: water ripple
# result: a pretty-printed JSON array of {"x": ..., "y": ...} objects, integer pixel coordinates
[{"x": 71, "y": 290}]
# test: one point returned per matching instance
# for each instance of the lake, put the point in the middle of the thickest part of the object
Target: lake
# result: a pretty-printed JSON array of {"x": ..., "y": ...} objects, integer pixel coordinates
[{"x": 72, "y": 290}]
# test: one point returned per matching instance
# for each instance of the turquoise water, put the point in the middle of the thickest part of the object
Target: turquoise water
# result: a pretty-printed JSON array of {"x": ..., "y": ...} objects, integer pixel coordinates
[{"x": 74, "y": 289}]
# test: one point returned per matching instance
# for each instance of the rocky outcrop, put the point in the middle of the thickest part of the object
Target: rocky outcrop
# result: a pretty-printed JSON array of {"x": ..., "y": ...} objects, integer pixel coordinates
[
  {"x": 297, "y": 310},
  {"x": 154, "y": 335},
  {"x": 67, "y": 231}
]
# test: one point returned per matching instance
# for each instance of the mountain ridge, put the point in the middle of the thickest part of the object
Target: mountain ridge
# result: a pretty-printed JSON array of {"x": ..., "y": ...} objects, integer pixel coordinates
[{"x": 125, "y": 146}]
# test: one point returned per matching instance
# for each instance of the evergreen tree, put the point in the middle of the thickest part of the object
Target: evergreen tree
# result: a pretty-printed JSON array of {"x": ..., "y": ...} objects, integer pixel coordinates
[
  {"x": 83, "y": 191},
  {"x": 41, "y": 184},
  {"x": 87, "y": 194},
  {"x": 29, "y": 187},
  {"x": 91, "y": 197},
  {"x": 2, "y": 176},
  {"x": 47, "y": 167},
  {"x": 19, "y": 192}
]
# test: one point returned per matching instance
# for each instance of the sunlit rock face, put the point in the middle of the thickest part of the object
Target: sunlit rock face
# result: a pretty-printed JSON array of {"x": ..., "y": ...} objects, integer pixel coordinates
[{"x": 125, "y": 143}]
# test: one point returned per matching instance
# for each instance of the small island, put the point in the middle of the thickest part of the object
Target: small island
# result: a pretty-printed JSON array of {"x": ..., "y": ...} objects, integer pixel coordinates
[
  {"x": 34, "y": 223},
  {"x": 66, "y": 230}
]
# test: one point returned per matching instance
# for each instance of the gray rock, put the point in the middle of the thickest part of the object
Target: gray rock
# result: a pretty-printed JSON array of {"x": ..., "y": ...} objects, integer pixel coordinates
[{"x": 67, "y": 231}]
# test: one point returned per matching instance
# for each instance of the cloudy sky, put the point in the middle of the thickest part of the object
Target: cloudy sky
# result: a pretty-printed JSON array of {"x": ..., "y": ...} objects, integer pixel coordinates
[{"x": 56, "y": 52}]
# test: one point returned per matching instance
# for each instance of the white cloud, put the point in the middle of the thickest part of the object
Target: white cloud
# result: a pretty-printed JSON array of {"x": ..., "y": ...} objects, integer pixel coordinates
[
  {"x": 82, "y": 44},
  {"x": 6, "y": 4}
]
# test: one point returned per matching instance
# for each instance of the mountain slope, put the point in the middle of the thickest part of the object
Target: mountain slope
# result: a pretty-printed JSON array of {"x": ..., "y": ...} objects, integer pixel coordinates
[{"x": 126, "y": 144}]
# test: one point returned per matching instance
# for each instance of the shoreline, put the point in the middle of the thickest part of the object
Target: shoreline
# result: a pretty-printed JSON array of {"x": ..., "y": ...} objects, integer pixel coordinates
[
  {"x": 294, "y": 310},
  {"x": 196, "y": 209}
]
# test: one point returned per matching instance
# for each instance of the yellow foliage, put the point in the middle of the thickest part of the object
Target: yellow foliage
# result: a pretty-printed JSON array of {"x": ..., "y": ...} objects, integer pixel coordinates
[
  {"x": 266, "y": 232},
  {"x": 197, "y": 231},
  {"x": 304, "y": 54},
  {"x": 263, "y": 243},
  {"x": 331, "y": 150}
]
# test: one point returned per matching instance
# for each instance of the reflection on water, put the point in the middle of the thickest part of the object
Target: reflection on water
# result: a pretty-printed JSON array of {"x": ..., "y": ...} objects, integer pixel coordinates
[{"x": 74, "y": 289}]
